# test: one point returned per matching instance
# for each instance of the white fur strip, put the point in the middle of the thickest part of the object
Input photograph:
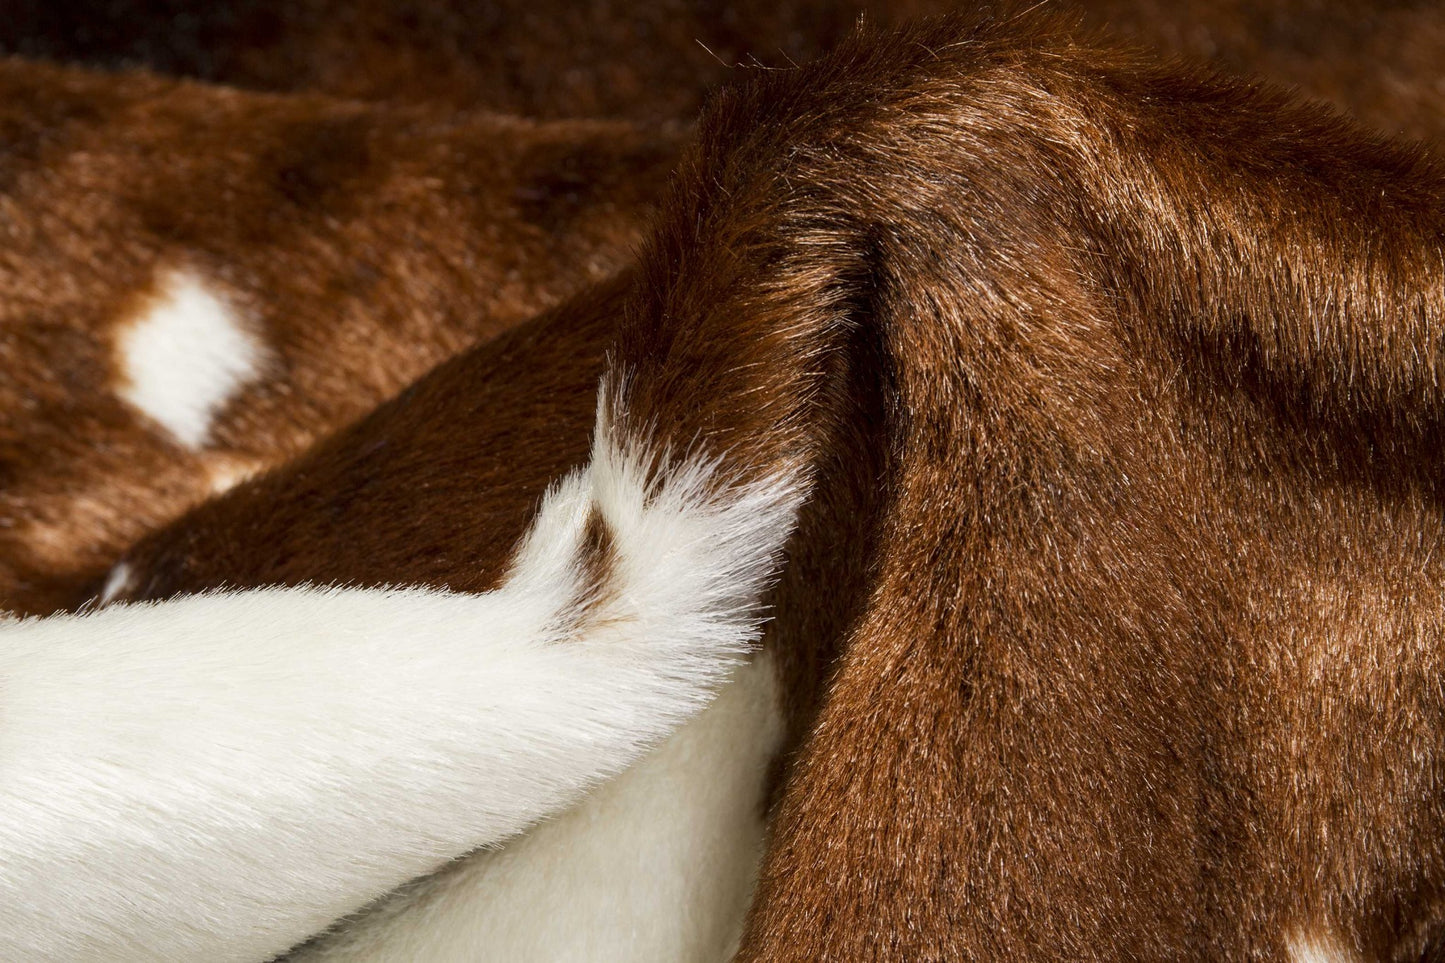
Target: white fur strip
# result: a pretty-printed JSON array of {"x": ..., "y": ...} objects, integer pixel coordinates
[
  {"x": 659, "y": 864},
  {"x": 218, "y": 777}
]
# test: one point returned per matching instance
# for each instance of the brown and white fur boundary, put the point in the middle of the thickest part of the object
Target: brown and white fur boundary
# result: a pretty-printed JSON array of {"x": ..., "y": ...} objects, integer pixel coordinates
[
  {"x": 167, "y": 763},
  {"x": 197, "y": 283},
  {"x": 1126, "y": 433},
  {"x": 1157, "y": 356}
]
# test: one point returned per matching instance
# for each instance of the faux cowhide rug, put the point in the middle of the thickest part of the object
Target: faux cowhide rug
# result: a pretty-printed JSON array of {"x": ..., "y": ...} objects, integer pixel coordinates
[{"x": 664, "y": 481}]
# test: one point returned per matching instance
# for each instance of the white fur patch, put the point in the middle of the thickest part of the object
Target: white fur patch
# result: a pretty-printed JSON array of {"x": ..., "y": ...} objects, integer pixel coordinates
[
  {"x": 185, "y": 358},
  {"x": 219, "y": 777},
  {"x": 658, "y": 864},
  {"x": 1320, "y": 946}
]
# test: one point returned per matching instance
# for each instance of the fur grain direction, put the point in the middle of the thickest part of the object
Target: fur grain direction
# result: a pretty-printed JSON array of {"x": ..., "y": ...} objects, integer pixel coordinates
[{"x": 1107, "y": 395}]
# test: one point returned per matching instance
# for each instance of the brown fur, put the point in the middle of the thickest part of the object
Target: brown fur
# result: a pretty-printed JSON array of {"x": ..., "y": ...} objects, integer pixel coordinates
[
  {"x": 1162, "y": 394},
  {"x": 656, "y": 60},
  {"x": 433, "y": 488},
  {"x": 363, "y": 245},
  {"x": 1380, "y": 62}
]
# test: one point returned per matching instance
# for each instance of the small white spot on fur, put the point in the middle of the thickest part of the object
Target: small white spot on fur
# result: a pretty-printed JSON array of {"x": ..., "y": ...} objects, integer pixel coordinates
[
  {"x": 120, "y": 580},
  {"x": 185, "y": 358},
  {"x": 1320, "y": 946}
]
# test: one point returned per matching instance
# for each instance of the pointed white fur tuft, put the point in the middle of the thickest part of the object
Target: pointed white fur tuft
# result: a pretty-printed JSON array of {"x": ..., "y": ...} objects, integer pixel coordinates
[{"x": 220, "y": 776}]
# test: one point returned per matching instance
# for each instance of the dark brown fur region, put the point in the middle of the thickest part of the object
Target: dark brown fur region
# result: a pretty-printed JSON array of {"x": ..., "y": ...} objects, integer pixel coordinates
[
  {"x": 657, "y": 60},
  {"x": 1113, "y": 627}
]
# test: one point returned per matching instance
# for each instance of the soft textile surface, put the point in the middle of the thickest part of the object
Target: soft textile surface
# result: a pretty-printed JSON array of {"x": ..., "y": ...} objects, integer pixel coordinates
[{"x": 496, "y": 482}]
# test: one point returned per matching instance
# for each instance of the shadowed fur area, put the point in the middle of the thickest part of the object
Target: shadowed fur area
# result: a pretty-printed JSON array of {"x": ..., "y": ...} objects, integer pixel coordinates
[{"x": 1036, "y": 440}]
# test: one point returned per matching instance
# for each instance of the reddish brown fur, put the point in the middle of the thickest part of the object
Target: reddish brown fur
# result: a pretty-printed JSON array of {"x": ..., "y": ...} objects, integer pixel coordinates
[
  {"x": 364, "y": 245},
  {"x": 433, "y": 488},
  {"x": 1162, "y": 362},
  {"x": 657, "y": 59},
  {"x": 1378, "y": 61}
]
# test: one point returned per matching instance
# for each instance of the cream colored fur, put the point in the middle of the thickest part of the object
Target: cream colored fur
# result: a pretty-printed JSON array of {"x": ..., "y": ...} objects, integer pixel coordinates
[{"x": 658, "y": 864}]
